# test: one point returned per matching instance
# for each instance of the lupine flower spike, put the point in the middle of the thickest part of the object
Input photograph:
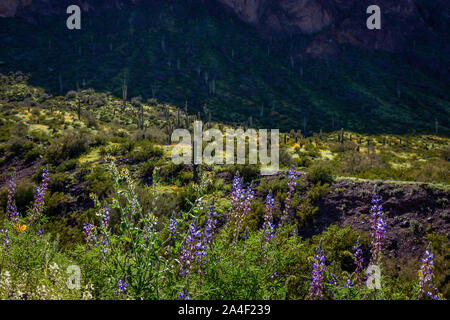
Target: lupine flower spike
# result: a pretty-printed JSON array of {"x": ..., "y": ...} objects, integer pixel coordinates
[
  {"x": 10, "y": 205},
  {"x": 193, "y": 249},
  {"x": 378, "y": 226},
  {"x": 183, "y": 295},
  {"x": 241, "y": 201},
  {"x": 211, "y": 221},
  {"x": 426, "y": 286},
  {"x": 173, "y": 226},
  {"x": 39, "y": 196},
  {"x": 318, "y": 270},
  {"x": 359, "y": 260},
  {"x": 268, "y": 226},
  {"x": 6, "y": 240},
  {"x": 122, "y": 287},
  {"x": 292, "y": 183}
]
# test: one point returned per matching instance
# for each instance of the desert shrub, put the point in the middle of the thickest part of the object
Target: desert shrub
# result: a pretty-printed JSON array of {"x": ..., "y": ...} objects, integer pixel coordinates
[
  {"x": 155, "y": 134},
  {"x": 71, "y": 95},
  {"x": 285, "y": 158},
  {"x": 19, "y": 145},
  {"x": 58, "y": 181},
  {"x": 246, "y": 171},
  {"x": 127, "y": 146},
  {"x": 306, "y": 211},
  {"x": 320, "y": 171},
  {"x": 170, "y": 170},
  {"x": 431, "y": 171},
  {"x": 56, "y": 204},
  {"x": 318, "y": 191},
  {"x": 185, "y": 176},
  {"x": 39, "y": 135},
  {"x": 32, "y": 155},
  {"x": 72, "y": 144},
  {"x": 303, "y": 160},
  {"x": 445, "y": 153},
  {"x": 67, "y": 165},
  {"x": 98, "y": 180},
  {"x": 23, "y": 198},
  {"x": 356, "y": 163},
  {"x": 145, "y": 151},
  {"x": 146, "y": 169},
  {"x": 342, "y": 147},
  {"x": 440, "y": 246},
  {"x": 277, "y": 186}
]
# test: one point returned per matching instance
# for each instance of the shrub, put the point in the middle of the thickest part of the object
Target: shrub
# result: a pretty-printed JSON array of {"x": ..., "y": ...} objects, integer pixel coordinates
[
  {"x": 146, "y": 151},
  {"x": 99, "y": 181},
  {"x": 320, "y": 171},
  {"x": 32, "y": 155},
  {"x": 73, "y": 144}
]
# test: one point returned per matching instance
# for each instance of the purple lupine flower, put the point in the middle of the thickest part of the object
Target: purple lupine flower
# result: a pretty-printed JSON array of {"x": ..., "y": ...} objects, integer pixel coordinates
[
  {"x": 359, "y": 260},
  {"x": 348, "y": 283},
  {"x": 40, "y": 233},
  {"x": 292, "y": 183},
  {"x": 122, "y": 286},
  {"x": 106, "y": 216},
  {"x": 426, "y": 276},
  {"x": 183, "y": 295},
  {"x": 89, "y": 234},
  {"x": 292, "y": 180},
  {"x": 199, "y": 244},
  {"x": 318, "y": 270},
  {"x": 40, "y": 193},
  {"x": 332, "y": 284},
  {"x": 192, "y": 249},
  {"x": 10, "y": 205},
  {"x": 6, "y": 240},
  {"x": 173, "y": 226},
  {"x": 378, "y": 226},
  {"x": 268, "y": 226},
  {"x": 241, "y": 201},
  {"x": 210, "y": 224}
]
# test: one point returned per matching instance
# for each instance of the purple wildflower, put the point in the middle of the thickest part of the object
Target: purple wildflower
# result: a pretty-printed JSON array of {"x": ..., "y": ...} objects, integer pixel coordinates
[
  {"x": 292, "y": 183},
  {"x": 292, "y": 180},
  {"x": 348, "y": 283},
  {"x": 6, "y": 240},
  {"x": 10, "y": 205},
  {"x": 40, "y": 193},
  {"x": 40, "y": 233},
  {"x": 88, "y": 230},
  {"x": 241, "y": 201},
  {"x": 210, "y": 224},
  {"x": 183, "y": 295},
  {"x": 426, "y": 276},
  {"x": 378, "y": 226},
  {"x": 317, "y": 274},
  {"x": 193, "y": 249},
  {"x": 359, "y": 260},
  {"x": 268, "y": 227},
  {"x": 173, "y": 226},
  {"x": 122, "y": 286},
  {"x": 105, "y": 215}
]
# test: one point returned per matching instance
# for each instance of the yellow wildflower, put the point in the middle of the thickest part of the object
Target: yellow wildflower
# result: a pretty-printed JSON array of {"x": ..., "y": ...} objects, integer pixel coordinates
[{"x": 20, "y": 228}]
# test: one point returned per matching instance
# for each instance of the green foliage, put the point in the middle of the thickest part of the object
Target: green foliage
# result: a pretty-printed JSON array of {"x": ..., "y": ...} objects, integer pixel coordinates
[{"x": 320, "y": 171}]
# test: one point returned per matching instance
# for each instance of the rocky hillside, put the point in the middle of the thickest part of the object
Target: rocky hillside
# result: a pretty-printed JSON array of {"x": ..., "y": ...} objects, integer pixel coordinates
[{"x": 335, "y": 20}]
